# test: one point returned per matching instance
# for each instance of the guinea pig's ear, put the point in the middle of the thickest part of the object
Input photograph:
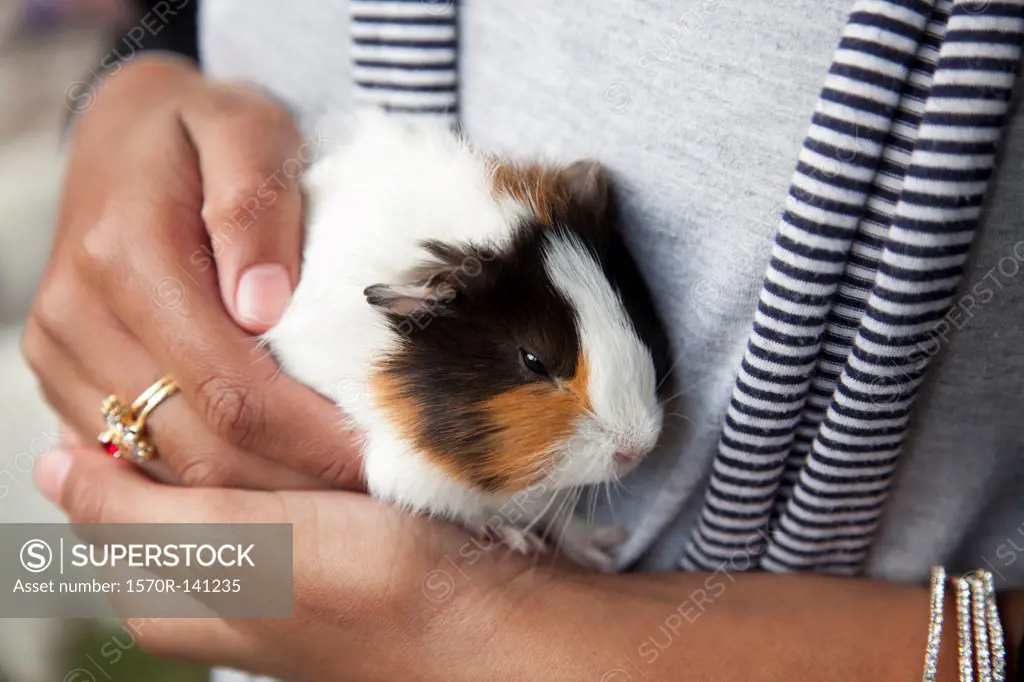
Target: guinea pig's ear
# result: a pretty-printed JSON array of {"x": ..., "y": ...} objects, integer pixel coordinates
[
  {"x": 432, "y": 294},
  {"x": 589, "y": 197},
  {"x": 587, "y": 184}
]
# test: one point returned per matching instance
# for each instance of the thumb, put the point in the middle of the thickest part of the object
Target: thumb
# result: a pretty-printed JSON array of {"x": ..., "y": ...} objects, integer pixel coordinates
[{"x": 250, "y": 159}]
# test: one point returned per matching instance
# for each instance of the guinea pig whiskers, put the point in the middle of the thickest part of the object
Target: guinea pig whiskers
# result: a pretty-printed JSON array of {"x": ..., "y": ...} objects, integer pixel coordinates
[
  {"x": 543, "y": 512},
  {"x": 679, "y": 415},
  {"x": 672, "y": 397},
  {"x": 592, "y": 509},
  {"x": 616, "y": 483},
  {"x": 621, "y": 487},
  {"x": 668, "y": 374},
  {"x": 569, "y": 506},
  {"x": 607, "y": 485}
]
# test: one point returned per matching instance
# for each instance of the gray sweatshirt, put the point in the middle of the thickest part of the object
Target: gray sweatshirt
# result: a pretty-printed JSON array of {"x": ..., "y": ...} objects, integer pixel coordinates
[{"x": 698, "y": 108}]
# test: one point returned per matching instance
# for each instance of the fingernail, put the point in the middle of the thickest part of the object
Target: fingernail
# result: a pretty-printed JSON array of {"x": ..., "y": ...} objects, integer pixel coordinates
[
  {"x": 50, "y": 472},
  {"x": 263, "y": 293}
]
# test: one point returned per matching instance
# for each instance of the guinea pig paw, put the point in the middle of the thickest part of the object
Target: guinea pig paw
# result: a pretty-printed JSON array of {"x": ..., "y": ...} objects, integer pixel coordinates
[
  {"x": 520, "y": 540},
  {"x": 598, "y": 560},
  {"x": 608, "y": 537},
  {"x": 592, "y": 548}
]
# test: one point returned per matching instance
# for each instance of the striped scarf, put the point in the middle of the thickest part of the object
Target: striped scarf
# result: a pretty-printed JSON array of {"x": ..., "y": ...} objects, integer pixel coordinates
[
  {"x": 881, "y": 212},
  {"x": 404, "y": 56},
  {"x": 879, "y": 219}
]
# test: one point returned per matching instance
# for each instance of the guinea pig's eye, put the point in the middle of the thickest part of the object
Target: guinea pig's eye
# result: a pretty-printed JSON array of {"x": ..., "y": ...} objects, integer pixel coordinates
[{"x": 534, "y": 364}]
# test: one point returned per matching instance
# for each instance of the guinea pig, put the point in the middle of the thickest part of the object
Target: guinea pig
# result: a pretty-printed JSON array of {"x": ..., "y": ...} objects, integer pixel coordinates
[{"x": 482, "y": 325}]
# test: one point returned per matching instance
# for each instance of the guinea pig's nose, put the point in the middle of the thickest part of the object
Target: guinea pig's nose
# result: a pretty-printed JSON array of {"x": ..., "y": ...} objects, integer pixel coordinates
[{"x": 628, "y": 456}]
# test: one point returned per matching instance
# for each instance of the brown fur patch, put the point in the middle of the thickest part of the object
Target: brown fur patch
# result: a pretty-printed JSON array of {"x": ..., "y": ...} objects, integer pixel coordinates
[
  {"x": 524, "y": 424},
  {"x": 540, "y": 188},
  {"x": 405, "y": 415},
  {"x": 530, "y": 421}
]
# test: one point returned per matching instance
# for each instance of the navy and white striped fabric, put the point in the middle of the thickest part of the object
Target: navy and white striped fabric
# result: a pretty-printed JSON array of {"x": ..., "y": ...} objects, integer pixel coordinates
[
  {"x": 862, "y": 266},
  {"x": 878, "y": 223},
  {"x": 404, "y": 56}
]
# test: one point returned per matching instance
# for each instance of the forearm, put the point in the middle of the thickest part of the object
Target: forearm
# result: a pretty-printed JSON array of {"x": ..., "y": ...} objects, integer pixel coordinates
[{"x": 712, "y": 627}]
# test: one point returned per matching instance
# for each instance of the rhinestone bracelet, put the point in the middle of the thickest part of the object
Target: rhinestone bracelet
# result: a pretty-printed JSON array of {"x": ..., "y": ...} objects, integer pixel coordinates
[
  {"x": 995, "y": 628},
  {"x": 931, "y": 653},
  {"x": 979, "y": 617},
  {"x": 977, "y": 614},
  {"x": 963, "y": 619}
]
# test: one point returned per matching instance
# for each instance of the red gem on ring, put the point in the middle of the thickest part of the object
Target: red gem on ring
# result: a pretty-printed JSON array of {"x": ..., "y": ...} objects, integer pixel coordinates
[{"x": 111, "y": 449}]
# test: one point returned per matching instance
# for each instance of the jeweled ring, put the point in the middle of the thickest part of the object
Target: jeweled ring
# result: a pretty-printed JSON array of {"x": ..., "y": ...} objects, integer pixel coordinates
[{"x": 125, "y": 436}]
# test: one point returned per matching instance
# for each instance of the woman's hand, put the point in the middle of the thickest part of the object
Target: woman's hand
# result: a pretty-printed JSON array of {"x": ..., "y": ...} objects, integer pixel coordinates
[
  {"x": 179, "y": 235},
  {"x": 379, "y": 595},
  {"x": 374, "y": 589}
]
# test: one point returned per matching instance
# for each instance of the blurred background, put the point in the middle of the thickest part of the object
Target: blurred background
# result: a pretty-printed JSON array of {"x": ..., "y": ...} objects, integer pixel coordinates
[{"x": 46, "y": 46}]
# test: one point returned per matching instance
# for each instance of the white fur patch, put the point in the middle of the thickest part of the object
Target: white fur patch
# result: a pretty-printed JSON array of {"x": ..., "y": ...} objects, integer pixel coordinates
[{"x": 627, "y": 416}]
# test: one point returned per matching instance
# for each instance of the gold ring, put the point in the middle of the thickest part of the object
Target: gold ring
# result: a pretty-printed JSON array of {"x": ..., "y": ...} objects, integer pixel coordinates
[{"x": 125, "y": 435}]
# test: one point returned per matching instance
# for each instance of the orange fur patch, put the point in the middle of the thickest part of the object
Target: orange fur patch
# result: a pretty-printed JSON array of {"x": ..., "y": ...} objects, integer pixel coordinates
[
  {"x": 391, "y": 398},
  {"x": 531, "y": 420},
  {"x": 540, "y": 188},
  {"x": 525, "y": 424},
  {"x": 580, "y": 381}
]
